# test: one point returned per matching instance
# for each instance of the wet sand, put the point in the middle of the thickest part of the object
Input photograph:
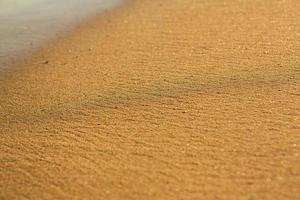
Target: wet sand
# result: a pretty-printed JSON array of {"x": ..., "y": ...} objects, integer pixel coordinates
[{"x": 159, "y": 100}]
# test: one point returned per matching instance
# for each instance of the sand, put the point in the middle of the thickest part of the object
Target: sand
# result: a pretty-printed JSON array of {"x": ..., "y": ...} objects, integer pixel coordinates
[
  {"x": 159, "y": 100},
  {"x": 26, "y": 24}
]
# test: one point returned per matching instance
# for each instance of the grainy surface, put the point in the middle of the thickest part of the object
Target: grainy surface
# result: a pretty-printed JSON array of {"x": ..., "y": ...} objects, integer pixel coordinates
[{"x": 170, "y": 99}]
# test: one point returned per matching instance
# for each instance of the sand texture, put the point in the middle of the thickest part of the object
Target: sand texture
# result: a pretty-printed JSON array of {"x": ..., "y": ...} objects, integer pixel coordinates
[{"x": 169, "y": 99}]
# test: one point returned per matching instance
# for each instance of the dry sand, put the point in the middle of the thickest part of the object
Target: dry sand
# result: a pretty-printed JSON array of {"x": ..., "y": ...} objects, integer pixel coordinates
[{"x": 170, "y": 99}]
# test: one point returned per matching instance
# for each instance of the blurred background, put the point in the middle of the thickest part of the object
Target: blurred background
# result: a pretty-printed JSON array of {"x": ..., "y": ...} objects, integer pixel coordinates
[{"x": 24, "y": 24}]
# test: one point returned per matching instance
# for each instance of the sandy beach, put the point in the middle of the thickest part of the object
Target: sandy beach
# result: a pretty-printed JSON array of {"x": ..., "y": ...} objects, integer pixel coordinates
[
  {"x": 158, "y": 99},
  {"x": 26, "y": 25}
]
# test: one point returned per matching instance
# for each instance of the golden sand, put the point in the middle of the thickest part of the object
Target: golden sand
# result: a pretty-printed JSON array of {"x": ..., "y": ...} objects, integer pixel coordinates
[{"x": 170, "y": 99}]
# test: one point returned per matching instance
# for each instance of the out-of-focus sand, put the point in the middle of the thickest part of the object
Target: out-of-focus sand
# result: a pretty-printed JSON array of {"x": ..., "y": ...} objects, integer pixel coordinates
[
  {"x": 26, "y": 24},
  {"x": 159, "y": 100}
]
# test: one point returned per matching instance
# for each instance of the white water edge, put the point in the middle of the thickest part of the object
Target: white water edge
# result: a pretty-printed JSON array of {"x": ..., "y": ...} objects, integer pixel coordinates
[{"x": 25, "y": 24}]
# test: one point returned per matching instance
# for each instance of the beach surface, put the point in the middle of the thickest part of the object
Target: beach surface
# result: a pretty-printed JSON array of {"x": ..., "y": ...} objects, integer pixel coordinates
[
  {"x": 26, "y": 24},
  {"x": 159, "y": 100}
]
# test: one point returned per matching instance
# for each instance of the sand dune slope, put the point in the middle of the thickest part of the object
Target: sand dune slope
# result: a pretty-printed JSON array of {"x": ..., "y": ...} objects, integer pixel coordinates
[{"x": 159, "y": 100}]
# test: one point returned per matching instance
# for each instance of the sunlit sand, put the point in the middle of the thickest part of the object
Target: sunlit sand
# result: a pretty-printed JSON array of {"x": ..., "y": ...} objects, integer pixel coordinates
[{"x": 158, "y": 100}]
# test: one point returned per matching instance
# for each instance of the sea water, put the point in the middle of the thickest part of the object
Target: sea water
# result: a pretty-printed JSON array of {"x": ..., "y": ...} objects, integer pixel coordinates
[{"x": 25, "y": 24}]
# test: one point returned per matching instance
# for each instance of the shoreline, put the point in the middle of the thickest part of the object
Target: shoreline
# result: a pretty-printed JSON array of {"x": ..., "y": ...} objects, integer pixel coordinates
[
  {"x": 24, "y": 31},
  {"x": 158, "y": 99}
]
